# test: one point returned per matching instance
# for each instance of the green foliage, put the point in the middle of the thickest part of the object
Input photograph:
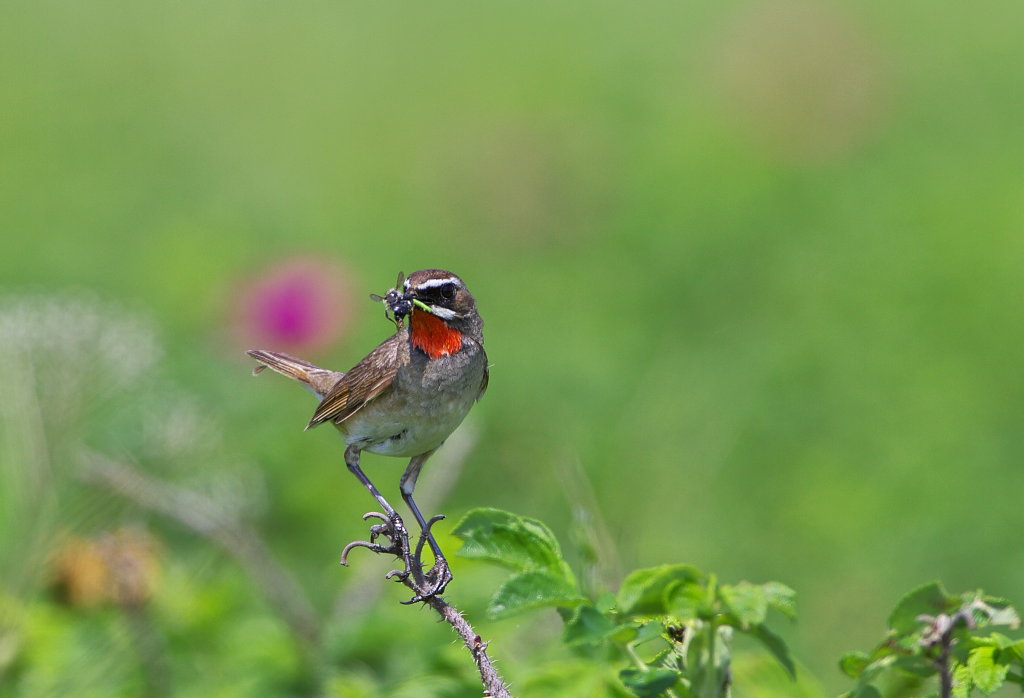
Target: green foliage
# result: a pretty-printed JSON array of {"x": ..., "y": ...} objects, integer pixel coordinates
[
  {"x": 649, "y": 682},
  {"x": 643, "y": 591},
  {"x": 529, "y": 548},
  {"x": 947, "y": 636},
  {"x": 930, "y": 599},
  {"x": 672, "y": 624}
]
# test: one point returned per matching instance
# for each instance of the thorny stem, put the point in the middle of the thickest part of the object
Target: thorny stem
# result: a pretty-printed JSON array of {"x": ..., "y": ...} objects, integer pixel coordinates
[
  {"x": 493, "y": 684},
  {"x": 424, "y": 591},
  {"x": 945, "y": 675},
  {"x": 940, "y": 634}
]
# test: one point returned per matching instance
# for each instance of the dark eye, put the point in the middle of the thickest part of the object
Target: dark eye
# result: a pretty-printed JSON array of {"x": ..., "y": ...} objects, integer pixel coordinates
[{"x": 448, "y": 291}]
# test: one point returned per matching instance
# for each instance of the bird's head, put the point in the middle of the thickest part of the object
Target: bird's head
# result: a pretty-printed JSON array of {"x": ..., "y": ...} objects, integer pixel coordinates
[{"x": 443, "y": 310}]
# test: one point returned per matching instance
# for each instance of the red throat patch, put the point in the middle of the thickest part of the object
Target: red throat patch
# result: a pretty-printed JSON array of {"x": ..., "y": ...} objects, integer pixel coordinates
[{"x": 433, "y": 335}]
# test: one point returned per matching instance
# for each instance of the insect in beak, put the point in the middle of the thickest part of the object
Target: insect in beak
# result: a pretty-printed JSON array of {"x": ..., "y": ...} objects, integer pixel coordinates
[
  {"x": 397, "y": 306},
  {"x": 421, "y": 305}
]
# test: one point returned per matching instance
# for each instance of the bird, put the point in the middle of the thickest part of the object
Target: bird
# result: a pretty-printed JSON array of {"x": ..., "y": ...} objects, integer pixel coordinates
[{"x": 403, "y": 400}]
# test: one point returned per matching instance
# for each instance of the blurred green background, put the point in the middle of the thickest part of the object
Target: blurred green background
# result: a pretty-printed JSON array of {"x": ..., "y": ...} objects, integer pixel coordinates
[{"x": 751, "y": 273}]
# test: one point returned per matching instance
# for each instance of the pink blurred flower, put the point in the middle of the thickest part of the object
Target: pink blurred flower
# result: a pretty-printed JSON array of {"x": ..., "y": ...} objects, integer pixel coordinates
[{"x": 299, "y": 305}]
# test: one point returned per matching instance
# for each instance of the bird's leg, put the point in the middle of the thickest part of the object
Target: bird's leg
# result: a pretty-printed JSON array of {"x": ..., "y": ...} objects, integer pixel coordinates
[
  {"x": 440, "y": 574},
  {"x": 393, "y": 527}
]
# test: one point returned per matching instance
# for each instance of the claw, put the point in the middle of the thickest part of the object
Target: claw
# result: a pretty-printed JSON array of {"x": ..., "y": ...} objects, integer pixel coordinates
[
  {"x": 430, "y": 524},
  {"x": 437, "y": 590},
  {"x": 425, "y": 536},
  {"x": 440, "y": 574},
  {"x": 418, "y": 556},
  {"x": 426, "y": 585},
  {"x": 378, "y": 529},
  {"x": 375, "y": 547},
  {"x": 434, "y": 582},
  {"x": 390, "y": 529}
]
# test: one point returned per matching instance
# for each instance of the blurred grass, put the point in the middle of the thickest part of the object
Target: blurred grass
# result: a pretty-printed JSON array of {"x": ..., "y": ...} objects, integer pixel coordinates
[{"x": 776, "y": 357}]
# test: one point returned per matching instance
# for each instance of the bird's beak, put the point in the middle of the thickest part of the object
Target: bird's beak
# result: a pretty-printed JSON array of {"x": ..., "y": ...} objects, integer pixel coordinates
[
  {"x": 438, "y": 311},
  {"x": 411, "y": 297}
]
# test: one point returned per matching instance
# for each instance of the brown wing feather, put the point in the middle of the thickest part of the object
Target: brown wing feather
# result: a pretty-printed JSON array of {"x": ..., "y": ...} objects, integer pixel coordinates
[
  {"x": 486, "y": 379},
  {"x": 367, "y": 379}
]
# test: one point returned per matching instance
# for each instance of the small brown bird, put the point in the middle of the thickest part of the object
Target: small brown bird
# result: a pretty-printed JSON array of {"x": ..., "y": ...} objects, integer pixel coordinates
[{"x": 404, "y": 399}]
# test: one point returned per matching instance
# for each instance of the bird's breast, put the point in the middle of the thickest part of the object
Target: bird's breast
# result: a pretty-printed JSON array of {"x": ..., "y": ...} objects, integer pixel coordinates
[
  {"x": 433, "y": 336},
  {"x": 427, "y": 400}
]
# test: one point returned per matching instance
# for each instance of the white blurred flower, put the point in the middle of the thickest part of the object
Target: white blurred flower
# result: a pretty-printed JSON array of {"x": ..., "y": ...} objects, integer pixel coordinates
[
  {"x": 77, "y": 371},
  {"x": 74, "y": 348}
]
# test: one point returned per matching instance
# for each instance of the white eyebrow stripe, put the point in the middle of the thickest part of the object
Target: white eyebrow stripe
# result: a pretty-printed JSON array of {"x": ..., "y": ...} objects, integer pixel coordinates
[{"x": 437, "y": 283}]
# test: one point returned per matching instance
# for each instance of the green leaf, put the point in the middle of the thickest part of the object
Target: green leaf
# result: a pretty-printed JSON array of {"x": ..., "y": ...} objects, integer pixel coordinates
[
  {"x": 962, "y": 683},
  {"x": 517, "y": 542},
  {"x": 1017, "y": 648},
  {"x": 879, "y": 662},
  {"x": 853, "y": 664},
  {"x": 1001, "y": 612},
  {"x": 651, "y": 683},
  {"x": 1002, "y": 642},
  {"x": 867, "y": 691},
  {"x": 643, "y": 590},
  {"x": 781, "y": 598},
  {"x": 687, "y": 601},
  {"x": 623, "y": 634},
  {"x": 988, "y": 674},
  {"x": 915, "y": 665},
  {"x": 746, "y": 601},
  {"x": 588, "y": 626},
  {"x": 930, "y": 599},
  {"x": 605, "y": 602},
  {"x": 774, "y": 644},
  {"x": 532, "y": 590},
  {"x": 649, "y": 631}
]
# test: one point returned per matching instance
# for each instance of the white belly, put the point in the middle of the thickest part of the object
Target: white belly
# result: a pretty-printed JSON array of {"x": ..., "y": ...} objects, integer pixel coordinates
[{"x": 409, "y": 422}]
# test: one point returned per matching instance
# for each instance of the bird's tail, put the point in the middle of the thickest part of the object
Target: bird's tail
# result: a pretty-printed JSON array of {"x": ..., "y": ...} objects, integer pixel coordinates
[{"x": 319, "y": 380}]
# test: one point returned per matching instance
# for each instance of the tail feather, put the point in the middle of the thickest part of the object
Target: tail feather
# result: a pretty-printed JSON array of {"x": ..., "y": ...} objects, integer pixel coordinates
[{"x": 319, "y": 380}]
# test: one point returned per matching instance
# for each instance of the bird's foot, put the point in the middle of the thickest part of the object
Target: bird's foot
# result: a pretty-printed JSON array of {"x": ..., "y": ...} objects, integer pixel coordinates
[
  {"x": 439, "y": 576},
  {"x": 433, "y": 582},
  {"x": 395, "y": 541},
  {"x": 393, "y": 531}
]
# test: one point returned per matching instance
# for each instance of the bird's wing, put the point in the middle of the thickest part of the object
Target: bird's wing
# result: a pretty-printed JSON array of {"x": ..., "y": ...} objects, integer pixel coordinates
[
  {"x": 486, "y": 379},
  {"x": 367, "y": 379}
]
